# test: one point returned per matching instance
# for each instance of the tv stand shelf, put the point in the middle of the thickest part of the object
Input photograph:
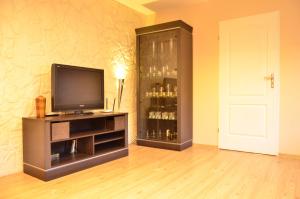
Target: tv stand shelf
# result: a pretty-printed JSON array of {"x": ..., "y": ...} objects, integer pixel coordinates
[
  {"x": 85, "y": 134},
  {"x": 60, "y": 145}
]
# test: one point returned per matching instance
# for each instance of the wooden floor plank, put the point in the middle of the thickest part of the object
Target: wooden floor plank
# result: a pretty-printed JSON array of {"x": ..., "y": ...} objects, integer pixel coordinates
[{"x": 197, "y": 172}]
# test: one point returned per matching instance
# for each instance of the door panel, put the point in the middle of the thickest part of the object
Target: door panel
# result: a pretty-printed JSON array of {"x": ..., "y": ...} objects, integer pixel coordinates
[
  {"x": 253, "y": 122},
  {"x": 246, "y": 76},
  {"x": 249, "y": 108}
]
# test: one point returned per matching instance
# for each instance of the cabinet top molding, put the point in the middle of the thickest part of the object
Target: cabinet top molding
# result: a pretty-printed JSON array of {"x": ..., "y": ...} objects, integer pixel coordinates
[{"x": 164, "y": 26}]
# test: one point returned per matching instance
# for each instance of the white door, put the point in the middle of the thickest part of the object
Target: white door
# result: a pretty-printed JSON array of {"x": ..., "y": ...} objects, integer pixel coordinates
[{"x": 249, "y": 84}]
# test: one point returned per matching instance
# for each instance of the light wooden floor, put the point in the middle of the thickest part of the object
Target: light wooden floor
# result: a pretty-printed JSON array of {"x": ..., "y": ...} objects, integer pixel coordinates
[{"x": 198, "y": 172}]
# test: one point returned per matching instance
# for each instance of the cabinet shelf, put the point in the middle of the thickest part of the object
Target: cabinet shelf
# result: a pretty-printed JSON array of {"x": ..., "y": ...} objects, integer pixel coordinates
[
  {"x": 68, "y": 158},
  {"x": 107, "y": 147},
  {"x": 161, "y": 97},
  {"x": 87, "y": 134},
  {"x": 161, "y": 119},
  {"x": 160, "y": 140},
  {"x": 107, "y": 150},
  {"x": 167, "y": 107},
  {"x": 101, "y": 141}
]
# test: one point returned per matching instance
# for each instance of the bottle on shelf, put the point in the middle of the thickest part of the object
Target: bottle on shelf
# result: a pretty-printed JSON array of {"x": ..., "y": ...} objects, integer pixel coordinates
[
  {"x": 151, "y": 115},
  {"x": 159, "y": 135},
  {"x": 161, "y": 91},
  {"x": 175, "y": 91},
  {"x": 168, "y": 134},
  {"x": 153, "y": 134},
  {"x": 175, "y": 135},
  {"x": 172, "y": 116},
  {"x": 165, "y": 115},
  {"x": 162, "y": 115}
]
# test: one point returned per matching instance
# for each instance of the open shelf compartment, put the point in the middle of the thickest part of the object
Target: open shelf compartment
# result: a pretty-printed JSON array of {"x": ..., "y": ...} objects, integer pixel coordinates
[
  {"x": 109, "y": 146},
  {"x": 103, "y": 138},
  {"x": 62, "y": 152}
]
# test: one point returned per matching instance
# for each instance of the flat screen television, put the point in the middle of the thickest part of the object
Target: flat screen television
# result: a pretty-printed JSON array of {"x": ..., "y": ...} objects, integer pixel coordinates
[{"x": 75, "y": 88}]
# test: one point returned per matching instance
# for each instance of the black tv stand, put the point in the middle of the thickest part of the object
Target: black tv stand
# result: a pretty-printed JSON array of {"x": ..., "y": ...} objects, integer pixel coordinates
[{"x": 47, "y": 143}]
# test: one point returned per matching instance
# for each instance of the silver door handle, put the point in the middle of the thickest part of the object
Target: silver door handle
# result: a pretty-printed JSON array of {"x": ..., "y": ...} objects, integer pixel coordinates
[{"x": 271, "y": 77}]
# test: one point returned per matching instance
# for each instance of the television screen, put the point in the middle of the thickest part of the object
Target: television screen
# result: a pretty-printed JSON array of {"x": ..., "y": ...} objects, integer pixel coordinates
[{"x": 76, "y": 88}]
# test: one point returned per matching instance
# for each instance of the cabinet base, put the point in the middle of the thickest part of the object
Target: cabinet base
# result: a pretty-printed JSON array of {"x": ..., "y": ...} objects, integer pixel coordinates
[
  {"x": 63, "y": 170},
  {"x": 165, "y": 145}
]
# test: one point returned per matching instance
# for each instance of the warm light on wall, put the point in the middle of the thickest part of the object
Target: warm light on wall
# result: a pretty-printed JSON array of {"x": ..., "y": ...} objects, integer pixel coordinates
[{"x": 120, "y": 71}]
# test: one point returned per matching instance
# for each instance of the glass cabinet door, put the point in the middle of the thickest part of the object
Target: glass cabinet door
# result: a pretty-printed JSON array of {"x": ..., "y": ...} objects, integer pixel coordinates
[{"x": 158, "y": 86}]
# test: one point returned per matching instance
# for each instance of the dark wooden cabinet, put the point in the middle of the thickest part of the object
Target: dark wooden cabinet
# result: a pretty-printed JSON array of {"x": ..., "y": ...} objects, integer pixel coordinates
[
  {"x": 57, "y": 146},
  {"x": 164, "y": 60}
]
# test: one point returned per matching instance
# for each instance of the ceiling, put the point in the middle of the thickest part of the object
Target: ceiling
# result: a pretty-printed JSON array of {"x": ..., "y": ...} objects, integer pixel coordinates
[
  {"x": 157, "y": 5},
  {"x": 138, "y": 5},
  {"x": 152, "y": 6}
]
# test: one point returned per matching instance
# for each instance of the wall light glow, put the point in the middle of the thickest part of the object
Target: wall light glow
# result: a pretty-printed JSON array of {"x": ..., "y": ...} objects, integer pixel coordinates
[{"x": 120, "y": 71}]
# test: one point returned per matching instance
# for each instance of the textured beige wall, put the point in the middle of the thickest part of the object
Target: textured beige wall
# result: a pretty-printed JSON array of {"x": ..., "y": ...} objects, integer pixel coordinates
[
  {"x": 36, "y": 33},
  {"x": 205, "y": 20}
]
